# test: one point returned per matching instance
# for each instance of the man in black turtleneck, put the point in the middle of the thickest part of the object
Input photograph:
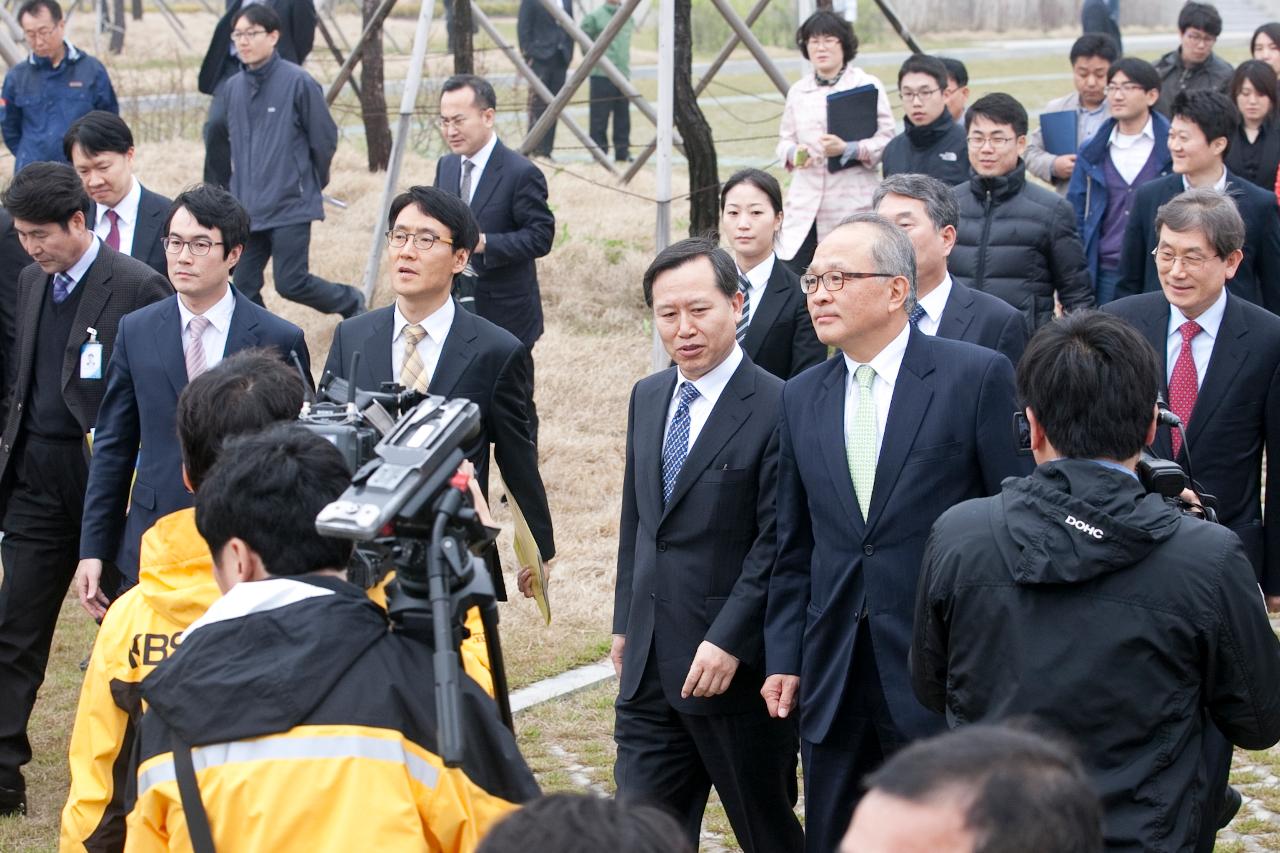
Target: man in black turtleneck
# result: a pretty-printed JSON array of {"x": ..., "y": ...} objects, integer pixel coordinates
[{"x": 933, "y": 143}]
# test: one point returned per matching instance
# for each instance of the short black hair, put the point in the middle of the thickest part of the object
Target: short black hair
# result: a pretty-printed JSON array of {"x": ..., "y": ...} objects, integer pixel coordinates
[
  {"x": 485, "y": 98},
  {"x": 260, "y": 14},
  {"x": 956, "y": 70},
  {"x": 759, "y": 179},
  {"x": 267, "y": 488},
  {"x": 1260, "y": 75},
  {"x": 1001, "y": 109},
  {"x": 920, "y": 63},
  {"x": 1100, "y": 45},
  {"x": 33, "y": 7},
  {"x": 1091, "y": 380},
  {"x": 686, "y": 251},
  {"x": 1137, "y": 70},
  {"x": 1271, "y": 30},
  {"x": 451, "y": 211},
  {"x": 243, "y": 393},
  {"x": 1210, "y": 110},
  {"x": 581, "y": 823},
  {"x": 826, "y": 23},
  {"x": 47, "y": 193},
  {"x": 1019, "y": 791},
  {"x": 1200, "y": 16},
  {"x": 213, "y": 207},
  {"x": 97, "y": 132}
]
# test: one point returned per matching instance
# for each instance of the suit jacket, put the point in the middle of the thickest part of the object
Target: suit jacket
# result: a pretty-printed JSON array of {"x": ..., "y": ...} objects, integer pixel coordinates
[
  {"x": 1257, "y": 279},
  {"x": 487, "y": 366},
  {"x": 948, "y": 438},
  {"x": 13, "y": 260},
  {"x": 153, "y": 208},
  {"x": 780, "y": 337},
  {"x": 983, "y": 319},
  {"x": 297, "y": 35},
  {"x": 114, "y": 285},
  {"x": 540, "y": 37},
  {"x": 510, "y": 206},
  {"x": 697, "y": 568},
  {"x": 137, "y": 423},
  {"x": 1236, "y": 417}
]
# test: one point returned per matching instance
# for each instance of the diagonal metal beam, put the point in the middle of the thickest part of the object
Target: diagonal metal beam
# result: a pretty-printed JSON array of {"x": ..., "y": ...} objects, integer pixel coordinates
[
  {"x": 753, "y": 44},
  {"x": 337, "y": 54},
  {"x": 344, "y": 73}
]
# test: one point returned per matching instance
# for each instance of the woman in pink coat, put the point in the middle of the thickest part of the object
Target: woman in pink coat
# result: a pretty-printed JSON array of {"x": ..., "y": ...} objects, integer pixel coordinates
[{"x": 819, "y": 198}]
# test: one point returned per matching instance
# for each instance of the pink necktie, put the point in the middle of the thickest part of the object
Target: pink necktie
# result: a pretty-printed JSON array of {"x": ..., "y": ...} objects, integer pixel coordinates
[
  {"x": 113, "y": 236},
  {"x": 196, "y": 361},
  {"x": 1184, "y": 384}
]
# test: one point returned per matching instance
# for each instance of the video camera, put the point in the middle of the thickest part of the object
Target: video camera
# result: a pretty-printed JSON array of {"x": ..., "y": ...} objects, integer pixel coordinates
[{"x": 409, "y": 510}]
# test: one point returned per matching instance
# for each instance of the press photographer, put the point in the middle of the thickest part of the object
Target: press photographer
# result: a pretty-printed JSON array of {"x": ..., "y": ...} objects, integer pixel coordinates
[{"x": 1078, "y": 599}]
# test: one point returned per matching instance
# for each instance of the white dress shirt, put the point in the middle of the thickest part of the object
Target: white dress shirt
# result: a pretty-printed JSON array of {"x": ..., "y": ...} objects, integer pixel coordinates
[
  {"x": 126, "y": 216},
  {"x": 934, "y": 303},
  {"x": 1202, "y": 344},
  {"x": 480, "y": 159},
  {"x": 886, "y": 364},
  {"x": 80, "y": 267},
  {"x": 757, "y": 281},
  {"x": 1220, "y": 185},
  {"x": 436, "y": 325},
  {"x": 1130, "y": 153},
  {"x": 214, "y": 337},
  {"x": 709, "y": 386}
]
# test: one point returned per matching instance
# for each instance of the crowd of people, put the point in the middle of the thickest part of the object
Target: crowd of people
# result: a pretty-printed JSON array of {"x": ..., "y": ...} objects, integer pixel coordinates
[{"x": 899, "y": 478}]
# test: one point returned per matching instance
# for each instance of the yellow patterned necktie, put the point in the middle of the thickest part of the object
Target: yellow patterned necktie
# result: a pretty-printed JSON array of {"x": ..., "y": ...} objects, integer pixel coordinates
[
  {"x": 861, "y": 449},
  {"x": 413, "y": 374}
]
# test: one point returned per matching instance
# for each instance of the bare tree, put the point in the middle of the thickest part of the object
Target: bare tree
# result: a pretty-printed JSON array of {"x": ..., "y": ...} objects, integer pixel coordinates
[
  {"x": 373, "y": 101},
  {"x": 699, "y": 146},
  {"x": 464, "y": 61}
]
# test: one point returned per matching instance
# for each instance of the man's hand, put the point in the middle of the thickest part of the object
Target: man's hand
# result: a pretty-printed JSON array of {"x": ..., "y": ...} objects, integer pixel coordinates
[
  {"x": 92, "y": 599},
  {"x": 479, "y": 246},
  {"x": 710, "y": 673},
  {"x": 615, "y": 652},
  {"x": 1273, "y": 603},
  {"x": 779, "y": 692},
  {"x": 524, "y": 578},
  {"x": 832, "y": 145},
  {"x": 1063, "y": 166}
]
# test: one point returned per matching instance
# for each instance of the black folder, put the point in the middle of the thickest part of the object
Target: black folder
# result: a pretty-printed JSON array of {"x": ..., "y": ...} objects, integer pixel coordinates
[{"x": 852, "y": 115}]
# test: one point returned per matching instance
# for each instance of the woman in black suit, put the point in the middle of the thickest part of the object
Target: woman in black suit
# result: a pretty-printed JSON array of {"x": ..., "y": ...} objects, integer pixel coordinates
[
  {"x": 775, "y": 331},
  {"x": 1254, "y": 153}
]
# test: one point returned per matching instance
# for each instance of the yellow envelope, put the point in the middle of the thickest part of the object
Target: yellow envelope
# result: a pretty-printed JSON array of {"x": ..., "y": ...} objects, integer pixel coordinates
[{"x": 527, "y": 554}]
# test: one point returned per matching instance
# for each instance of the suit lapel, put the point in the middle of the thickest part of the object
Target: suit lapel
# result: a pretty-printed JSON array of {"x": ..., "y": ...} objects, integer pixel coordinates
[
  {"x": 1155, "y": 328},
  {"x": 829, "y": 413},
  {"x": 30, "y": 320},
  {"x": 1229, "y": 351},
  {"x": 649, "y": 433},
  {"x": 766, "y": 312},
  {"x": 146, "y": 233},
  {"x": 958, "y": 313},
  {"x": 375, "y": 353},
  {"x": 450, "y": 177},
  {"x": 97, "y": 290},
  {"x": 169, "y": 343},
  {"x": 728, "y": 416},
  {"x": 455, "y": 356},
  {"x": 912, "y": 394},
  {"x": 243, "y": 333},
  {"x": 489, "y": 178}
]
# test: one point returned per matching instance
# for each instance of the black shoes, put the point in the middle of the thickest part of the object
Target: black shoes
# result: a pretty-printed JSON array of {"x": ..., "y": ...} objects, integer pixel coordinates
[
  {"x": 1231, "y": 802},
  {"x": 12, "y": 803}
]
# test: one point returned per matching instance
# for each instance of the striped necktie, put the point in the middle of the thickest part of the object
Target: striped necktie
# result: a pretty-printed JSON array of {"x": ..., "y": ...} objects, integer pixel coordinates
[
  {"x": 744, "y": 287},
  {"x": 413, "y": 374}
]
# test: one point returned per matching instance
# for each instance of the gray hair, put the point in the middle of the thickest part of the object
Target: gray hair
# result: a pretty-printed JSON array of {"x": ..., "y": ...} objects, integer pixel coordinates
[
  {"x": 1209, "y": 211},
  {"x": 892, "y": 252},
  {"x": 939, "y": 201}
]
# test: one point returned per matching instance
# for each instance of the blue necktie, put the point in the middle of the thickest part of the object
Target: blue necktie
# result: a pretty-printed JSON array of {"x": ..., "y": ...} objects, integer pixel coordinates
[
  {"x": 917, "y": 314},
  {"x": 61, "y": 287},
  {"x": 676, "y": 446}
]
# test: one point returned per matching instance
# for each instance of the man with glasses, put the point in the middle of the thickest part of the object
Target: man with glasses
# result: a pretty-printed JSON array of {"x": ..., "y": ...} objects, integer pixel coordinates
[
  {"x": 1193, "y": 66},
  {"x": 1130, "y": 150},
  {"x": 136, "y": 474},
  {"x": 56, "y": 85},
  {"x": 932, "y": 143},
  {"x": 1016, "y": 240},
  {"x": 1091, "y": 56},
  {"x": 873, "y": 446},
  {"x": 282, "y": 142}
]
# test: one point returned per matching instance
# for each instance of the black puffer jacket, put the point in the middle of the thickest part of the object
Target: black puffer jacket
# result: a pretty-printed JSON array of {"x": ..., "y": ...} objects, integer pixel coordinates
[
  {"x": 938, "y": 149},
  {"x": 1076, "y": 599},
  {"x": 1018, "y": 241}
]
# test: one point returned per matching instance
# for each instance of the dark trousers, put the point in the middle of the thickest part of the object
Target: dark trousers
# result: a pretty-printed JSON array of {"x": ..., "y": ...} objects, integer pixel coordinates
[
  {"x": 1215, "y": 752},
  {"x": 551, "y": 72},
  {"x": 40, "y": 550},
  {"x": 799, "y": 263},
  {"x": 672, "y": 759},
  {"x": 608, "y": 101},
  {"x": 217, "y": 142},
  {"x": 862, "y": 737},
  {"x": 288, "y": 247}
]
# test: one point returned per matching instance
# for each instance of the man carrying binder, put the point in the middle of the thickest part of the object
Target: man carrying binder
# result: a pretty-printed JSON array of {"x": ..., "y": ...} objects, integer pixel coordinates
[{"x": 1091, "y": 56}]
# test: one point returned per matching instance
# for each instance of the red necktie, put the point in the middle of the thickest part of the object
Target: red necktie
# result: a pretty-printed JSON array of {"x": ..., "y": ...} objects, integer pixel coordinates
[
  {"x": 1183, "y": 385},
  {"x": 113, "y": 236}
]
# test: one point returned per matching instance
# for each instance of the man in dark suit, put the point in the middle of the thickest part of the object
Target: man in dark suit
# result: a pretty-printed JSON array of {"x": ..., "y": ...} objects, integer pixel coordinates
[
  {"x": 424, "y": 342},
  {"x": 873, "y": 446},
  {"x": 508, "y": 196},
  {"x": 222, "y": 62},
  {"x": 548, "y": 49},
  {"x": 696, "y": 543},
  {"x": 126, "y": 215},
  {"x": 13, "y": 260},
  {"x": 1203, "y": 123},
  {"x": 158, "y": 350},
  {"x": 70, "y": 302},
  {"x": 926, "y": 209}
]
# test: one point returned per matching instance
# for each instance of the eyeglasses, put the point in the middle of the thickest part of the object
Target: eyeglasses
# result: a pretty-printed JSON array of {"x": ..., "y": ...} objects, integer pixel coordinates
[
  {"x": 834, "y": 280},
  {"x": 996, "y": 142},
  {"x": 1199, "y": 37},
  {"x": 906, "y": 95},
  {"x": 1129, "y": 88},
  {"x": 1190, "y": 263},
  {"x": 247, "y": 35},
  {"x": 446, "y": 123},
  {"x": 42, "y": 33},
  {"x": 199, "y": 247},
  {"x": 422, "y": 242}
]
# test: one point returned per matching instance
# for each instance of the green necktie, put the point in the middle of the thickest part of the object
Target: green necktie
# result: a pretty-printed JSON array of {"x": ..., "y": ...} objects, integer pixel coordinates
[{"x": 861, "y": 448}]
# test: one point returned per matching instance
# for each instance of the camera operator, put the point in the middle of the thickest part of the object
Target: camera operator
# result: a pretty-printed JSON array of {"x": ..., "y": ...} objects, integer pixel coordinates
[
  {"x": 304, "y": 721},
  {"x": 1101, "y": 611}
]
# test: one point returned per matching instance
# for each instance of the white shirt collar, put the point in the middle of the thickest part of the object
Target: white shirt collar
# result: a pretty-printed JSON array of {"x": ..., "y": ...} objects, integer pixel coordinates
[
  {"x": 436, "y": 324},
  {"x": 711, "y": 383},
  {"x": 1210, "y": 321},
  {"x": 481, "y": 157},
  {"x": 760, "y": 273},
  {"x": 127, "y": 209},
  {"x": 935, "y": 301},
  {"x": 80, "y": 267},
  {"x": 1220, "y": 185},
  {"x": 218, "y": 315},
  {"x": 1124, "y": 140},
  {"x": 888, "y": 361}
]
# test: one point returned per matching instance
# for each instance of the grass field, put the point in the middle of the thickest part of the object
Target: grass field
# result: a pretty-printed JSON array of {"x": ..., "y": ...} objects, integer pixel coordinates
[{"x": 596, "y": 345}]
